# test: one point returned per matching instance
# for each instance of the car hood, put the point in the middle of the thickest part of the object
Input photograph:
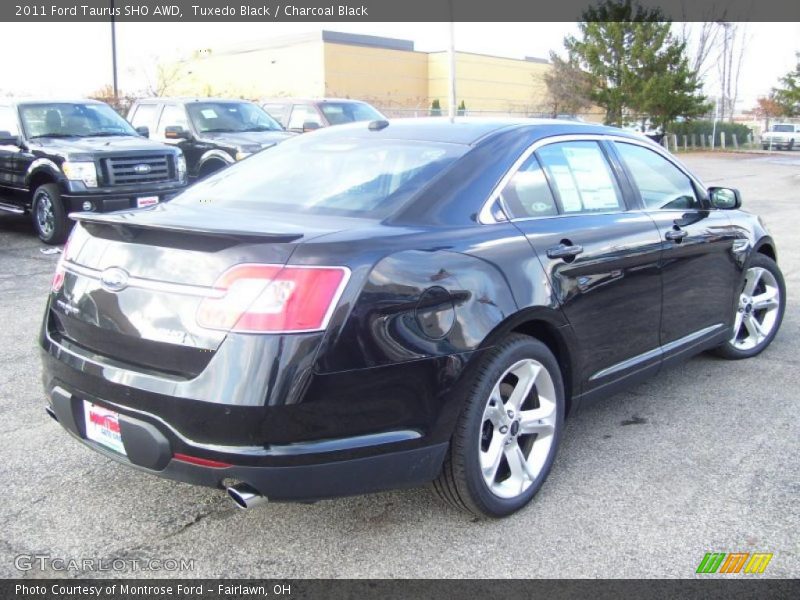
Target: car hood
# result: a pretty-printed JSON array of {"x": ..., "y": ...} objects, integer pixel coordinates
[
  {"x": 98, "y": 145},
  {"x": 247, "y": 138}
]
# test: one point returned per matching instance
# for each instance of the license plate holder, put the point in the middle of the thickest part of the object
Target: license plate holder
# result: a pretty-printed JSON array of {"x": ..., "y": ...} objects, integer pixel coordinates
[
  {"x": 102, "y": 427},
  {"x": 144, "y": 201}
]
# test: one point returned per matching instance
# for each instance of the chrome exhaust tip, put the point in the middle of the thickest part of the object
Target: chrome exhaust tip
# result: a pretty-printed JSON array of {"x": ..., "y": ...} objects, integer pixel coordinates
[{"x": 244, "y": 496}]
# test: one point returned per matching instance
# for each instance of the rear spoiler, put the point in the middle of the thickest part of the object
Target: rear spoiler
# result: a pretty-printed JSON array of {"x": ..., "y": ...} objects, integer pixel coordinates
[{"x": 129, "y": 229}]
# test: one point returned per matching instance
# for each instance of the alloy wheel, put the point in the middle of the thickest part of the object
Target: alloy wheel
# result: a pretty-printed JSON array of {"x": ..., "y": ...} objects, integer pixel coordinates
[
  {"x": 757, "y": 312},
  {"x": 517, "y": 428},
  {"x": 45, "y": 216}
]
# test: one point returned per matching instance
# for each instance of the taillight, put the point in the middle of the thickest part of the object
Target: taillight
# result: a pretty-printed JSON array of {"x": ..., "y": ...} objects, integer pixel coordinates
[
  {"x": 253, "y": 298},
  {"x": 58, "y": 277}
]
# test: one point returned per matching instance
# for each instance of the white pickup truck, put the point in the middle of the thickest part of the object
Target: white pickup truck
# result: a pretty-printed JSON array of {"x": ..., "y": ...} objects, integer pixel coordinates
[{"x": 781, "y": 135}]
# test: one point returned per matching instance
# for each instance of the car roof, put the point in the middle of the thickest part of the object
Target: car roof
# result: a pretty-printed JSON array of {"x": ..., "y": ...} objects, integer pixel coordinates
[
  {"x": 312, "y": 100},
  {"x": 188, "y": 99},
  {"x": 9, "y": 101},
  {"x": 465, "y": 130}
]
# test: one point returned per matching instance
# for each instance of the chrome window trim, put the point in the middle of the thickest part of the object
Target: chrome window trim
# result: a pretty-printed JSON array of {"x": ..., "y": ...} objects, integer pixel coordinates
[{"x": 485, "y": 216}]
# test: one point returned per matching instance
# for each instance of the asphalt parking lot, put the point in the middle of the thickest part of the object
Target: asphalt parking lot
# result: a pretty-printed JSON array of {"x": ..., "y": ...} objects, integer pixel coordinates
[{"x": 705, "y": 457}]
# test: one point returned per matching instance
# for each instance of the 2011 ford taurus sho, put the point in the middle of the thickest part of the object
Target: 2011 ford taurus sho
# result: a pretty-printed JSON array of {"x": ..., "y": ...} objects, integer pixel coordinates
[{"x": 386, "y": 304}]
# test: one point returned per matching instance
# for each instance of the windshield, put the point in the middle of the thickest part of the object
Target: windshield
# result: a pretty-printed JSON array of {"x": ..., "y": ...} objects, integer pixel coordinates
[
  {"x": 72, "y": 120},
  {"x": 211, "y": 117},
  {"x": 347, "y": 112},
  {"x": 345, "y": 177},
  {"x": 784, "y": 128}
]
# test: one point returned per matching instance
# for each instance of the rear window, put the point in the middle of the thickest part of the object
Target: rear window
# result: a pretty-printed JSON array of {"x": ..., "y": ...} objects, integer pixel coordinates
[
  {"x": 310, "y": 175},
  {"x": 783, "y": 128},
  {"x": 338, "y": 113}
]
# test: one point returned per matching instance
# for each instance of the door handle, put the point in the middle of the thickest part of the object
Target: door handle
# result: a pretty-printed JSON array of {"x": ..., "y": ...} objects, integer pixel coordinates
[
  {"x": 567, "y": 252},
  {"x": 675, "y": 235}
]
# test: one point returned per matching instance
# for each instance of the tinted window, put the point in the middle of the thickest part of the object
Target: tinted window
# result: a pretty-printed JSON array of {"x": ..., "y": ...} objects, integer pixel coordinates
[
  {"x": 582, "y": 177},
  {"x": 661, "y": 184},
  {"x": 279, "y": 112},
  {"x": 783, "y": 128},
  {"x": 72, "y": 120},
  {"x": 303, "y": 114},
  {"x": 144, "y": 116},
  {"x": 172, "y": 116},
  {"x": 306, "y": 175},
  {"x": 338, "y": 113},
  {"x": 8, "y": 121},
  {"x": 210, "y": 117},
  {"x": 528, "y": 194}
]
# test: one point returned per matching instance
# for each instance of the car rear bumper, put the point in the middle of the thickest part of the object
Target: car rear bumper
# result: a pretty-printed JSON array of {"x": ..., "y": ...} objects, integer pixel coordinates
[{"x": 388, "y": 464}]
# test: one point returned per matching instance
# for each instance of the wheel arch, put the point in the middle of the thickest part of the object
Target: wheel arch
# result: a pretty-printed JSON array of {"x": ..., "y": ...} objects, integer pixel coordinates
[
  {"x": 213, "y": 157},
  {"x": 40, "y": 172},
  {"x": 551, "y": 328},
  {"x": 766, "y": 247}
]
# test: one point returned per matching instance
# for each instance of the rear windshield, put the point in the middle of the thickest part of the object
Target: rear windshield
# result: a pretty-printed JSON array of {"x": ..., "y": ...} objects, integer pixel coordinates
[
  {"x": 346, "y": 177},
  {"x": 338, "y": 113},
  {"x": 783, "y": 128}
]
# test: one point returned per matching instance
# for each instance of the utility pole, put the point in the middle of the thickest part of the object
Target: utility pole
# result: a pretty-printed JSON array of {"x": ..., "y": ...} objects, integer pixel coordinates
[
  {"x": 114, "y": 51},
  {"x": 451, "y": 111}
]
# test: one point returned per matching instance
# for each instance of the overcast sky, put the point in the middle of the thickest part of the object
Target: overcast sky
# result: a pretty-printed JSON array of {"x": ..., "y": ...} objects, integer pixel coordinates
[{"x": 73, "y": 59}]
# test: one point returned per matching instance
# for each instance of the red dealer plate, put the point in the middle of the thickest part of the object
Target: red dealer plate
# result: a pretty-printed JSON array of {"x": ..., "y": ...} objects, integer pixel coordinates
[
  {"x": 146, "y": 201},
  {"x": 102, "y": 426}
]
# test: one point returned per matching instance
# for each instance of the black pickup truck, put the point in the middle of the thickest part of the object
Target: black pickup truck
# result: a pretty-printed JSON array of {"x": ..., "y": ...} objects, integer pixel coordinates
[{"x": 59, "y": 156}]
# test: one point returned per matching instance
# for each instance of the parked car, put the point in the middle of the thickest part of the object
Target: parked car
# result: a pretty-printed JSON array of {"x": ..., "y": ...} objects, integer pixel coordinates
[
  {"x": 302, "y": 115},
  {"x": 212, "y": 133},
  {"x": 781, "y": 136},
  {"x": 387, "y": 304},
  {"x": 59, "y": 156}
]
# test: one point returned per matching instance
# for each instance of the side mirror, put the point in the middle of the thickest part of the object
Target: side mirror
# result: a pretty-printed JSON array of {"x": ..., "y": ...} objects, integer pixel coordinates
[
  {"x": 176, "y": 132},
  {"x": 6, "y": 139},
  {"x": 310, "y": 126},
  {"x": 143, "y": 131},
  {"x": 725, "y": 198}
]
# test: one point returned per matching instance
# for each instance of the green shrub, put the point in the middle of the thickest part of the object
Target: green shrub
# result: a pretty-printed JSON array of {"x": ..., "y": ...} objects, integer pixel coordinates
[{"x": 705, "y": 128}]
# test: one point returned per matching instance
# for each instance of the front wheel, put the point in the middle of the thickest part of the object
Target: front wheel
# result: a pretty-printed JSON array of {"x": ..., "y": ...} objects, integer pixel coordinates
[
  {"x": 506, "y": 437},
  {"x": 49, "y": 215},
  {"x": 759, "y": 310}
]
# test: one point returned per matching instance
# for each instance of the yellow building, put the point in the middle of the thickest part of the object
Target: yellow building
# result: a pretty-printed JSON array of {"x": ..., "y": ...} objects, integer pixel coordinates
[{"x": 386, "y": 72}]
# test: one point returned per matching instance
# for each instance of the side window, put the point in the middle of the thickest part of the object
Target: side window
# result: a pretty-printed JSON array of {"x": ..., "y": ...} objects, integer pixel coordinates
[
  {"x": 279, "y": 112},
  {"x": 303, "y": 114},
  {"x": 582, "y": 177},
  {"x": 172, "y": 115},
  {"x": 8, "y": 121},
  {"x": 663, "y": 186},
  {"x": 528, "y": 194},
  {"x": 144, "y": 116}
]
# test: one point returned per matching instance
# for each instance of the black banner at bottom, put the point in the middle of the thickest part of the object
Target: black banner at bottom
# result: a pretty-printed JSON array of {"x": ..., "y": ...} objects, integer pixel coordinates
[{"x": 384, "y": 589}]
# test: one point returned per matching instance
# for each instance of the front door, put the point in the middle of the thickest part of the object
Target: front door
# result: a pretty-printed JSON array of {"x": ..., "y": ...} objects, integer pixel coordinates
[{"x": 699, "y": 271}]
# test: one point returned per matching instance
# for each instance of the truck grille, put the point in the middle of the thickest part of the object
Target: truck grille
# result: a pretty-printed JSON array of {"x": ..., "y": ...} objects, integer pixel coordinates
[{"x": 131, "y": 170}]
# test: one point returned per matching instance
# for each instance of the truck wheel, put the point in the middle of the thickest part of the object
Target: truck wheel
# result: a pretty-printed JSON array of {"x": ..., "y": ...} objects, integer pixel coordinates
[
  {"x": 790, "y": 145},
  {"x": 49, "y": 215}
]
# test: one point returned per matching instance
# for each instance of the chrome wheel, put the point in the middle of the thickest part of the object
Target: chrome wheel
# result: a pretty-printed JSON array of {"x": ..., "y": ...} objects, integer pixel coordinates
[
  {"x": 757, "y": 312},
  {"x": 45, "y": 216},
  {"x": 517, "y": 428}
]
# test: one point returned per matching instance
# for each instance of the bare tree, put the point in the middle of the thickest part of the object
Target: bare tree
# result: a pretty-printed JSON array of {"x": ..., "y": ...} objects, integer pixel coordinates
[
  {"x": 729, "y": 64},
  {"x": 159, "y": 76},
  {"x": 702, "y": 39},
  {"x": 568, "y": 87}
]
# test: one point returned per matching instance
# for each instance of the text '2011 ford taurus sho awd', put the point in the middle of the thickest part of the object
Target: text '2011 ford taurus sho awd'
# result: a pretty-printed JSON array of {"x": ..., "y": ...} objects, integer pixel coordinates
[{"x": 388, "y": 304}]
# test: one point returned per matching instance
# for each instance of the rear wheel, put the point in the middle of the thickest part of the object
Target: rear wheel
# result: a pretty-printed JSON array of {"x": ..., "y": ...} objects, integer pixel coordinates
[
  {"x": 508, "y": 432},
  {"x": 759, "y": 310},
  {"x": 49, "y": 215}
]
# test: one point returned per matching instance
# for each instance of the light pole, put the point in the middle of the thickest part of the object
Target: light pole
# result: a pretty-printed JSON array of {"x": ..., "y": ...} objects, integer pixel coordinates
[
  {"x": 114, "y": 51},
  {"x": 452, "y": 56}
]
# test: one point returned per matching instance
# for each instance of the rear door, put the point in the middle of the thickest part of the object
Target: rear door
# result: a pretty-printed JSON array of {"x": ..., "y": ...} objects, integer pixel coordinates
[
  {"x": 601, "y": 258},
  {"x": 699, "y": 270}
]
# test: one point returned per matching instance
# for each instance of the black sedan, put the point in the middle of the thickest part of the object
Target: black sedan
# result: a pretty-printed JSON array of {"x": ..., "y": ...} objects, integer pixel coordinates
[{"x": 388, "y": 304}]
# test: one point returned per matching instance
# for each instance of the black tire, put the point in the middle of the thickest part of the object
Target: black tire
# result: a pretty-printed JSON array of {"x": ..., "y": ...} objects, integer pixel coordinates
[
  {"x": 790, "y": 145},
  {"x": 461, "y": 482},
  {"x": 49, "y": 215},
  {"x": 211, "y": 167},
  {"x": 729, "y": 350}
]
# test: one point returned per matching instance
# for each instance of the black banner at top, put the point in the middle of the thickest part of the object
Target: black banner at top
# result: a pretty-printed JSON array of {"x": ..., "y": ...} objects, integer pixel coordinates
[{"x": 377, "y": 10}]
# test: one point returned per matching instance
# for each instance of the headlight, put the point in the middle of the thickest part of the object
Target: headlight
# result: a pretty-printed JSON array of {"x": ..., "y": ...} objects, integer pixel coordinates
[
  {"x": 245, "y": 151},
  {"x": 81, "y": 171},
  {"x": 180, "y": 166}
]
